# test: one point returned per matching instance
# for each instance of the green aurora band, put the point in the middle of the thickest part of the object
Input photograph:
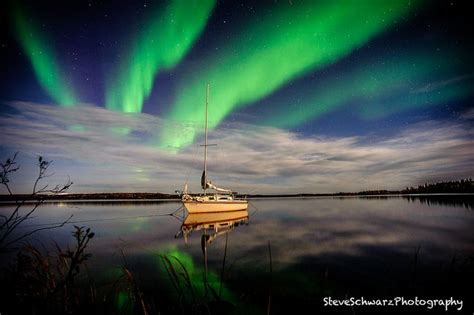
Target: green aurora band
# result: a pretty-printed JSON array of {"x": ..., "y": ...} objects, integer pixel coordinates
[
  {"x": 274, "y": 51},
  {"x": 40, "y": 52},
  {"x": 380, "y": 87},
  {"x": 162, "y": 44}
]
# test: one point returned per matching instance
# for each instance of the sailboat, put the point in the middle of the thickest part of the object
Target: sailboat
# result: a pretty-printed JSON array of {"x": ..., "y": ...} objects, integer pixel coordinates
[{"x": 219, "y": 199}]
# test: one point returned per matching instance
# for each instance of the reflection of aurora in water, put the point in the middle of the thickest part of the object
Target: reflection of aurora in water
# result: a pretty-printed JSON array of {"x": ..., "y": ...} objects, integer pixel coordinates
[
  {"x": 183, "y": 279},
  {"x": 321, "y": 245}
]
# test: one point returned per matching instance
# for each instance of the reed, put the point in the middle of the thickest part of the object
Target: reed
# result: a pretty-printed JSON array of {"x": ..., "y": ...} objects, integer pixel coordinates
[{"x": 269, "y": 304}]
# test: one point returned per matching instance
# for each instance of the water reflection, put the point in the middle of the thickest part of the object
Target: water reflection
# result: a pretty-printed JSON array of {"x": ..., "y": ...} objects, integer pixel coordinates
[
  {"x": 461, "y": 201},
  {"x": 357, "y": 245},
  {"x": 212, "y": 225},
  {"x": 446, "y": 200}
]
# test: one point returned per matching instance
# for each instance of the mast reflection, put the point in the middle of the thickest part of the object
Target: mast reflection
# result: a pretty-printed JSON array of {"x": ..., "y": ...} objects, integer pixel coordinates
[{"x": 212, "y": 225}]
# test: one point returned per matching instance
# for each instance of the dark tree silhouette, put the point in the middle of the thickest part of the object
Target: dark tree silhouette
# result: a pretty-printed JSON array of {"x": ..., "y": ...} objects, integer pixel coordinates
[
  {"x": 9, "y": 223},
  {"x": 465, "y": 185}
]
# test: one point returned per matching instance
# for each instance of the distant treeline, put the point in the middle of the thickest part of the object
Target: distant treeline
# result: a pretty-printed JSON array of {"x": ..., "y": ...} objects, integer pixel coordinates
[
  {"x": 94, "y": 196},
  {"x": 452, "y": 187},
  {"x": 458, "y": 186}
]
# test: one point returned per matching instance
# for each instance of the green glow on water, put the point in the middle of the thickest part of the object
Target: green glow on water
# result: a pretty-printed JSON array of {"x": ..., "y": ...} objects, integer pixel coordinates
[
  {"x": 273, "y": 51},
  {"x": 39, "y": 50},
  {"x": 160, "y": 46},
  {"x": 196, "y": 274},
  {"x": 124, "y": 302}
]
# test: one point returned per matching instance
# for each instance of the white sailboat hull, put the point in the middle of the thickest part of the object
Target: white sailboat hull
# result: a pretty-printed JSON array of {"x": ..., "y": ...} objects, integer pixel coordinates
[{"x": 194, "y": 206}]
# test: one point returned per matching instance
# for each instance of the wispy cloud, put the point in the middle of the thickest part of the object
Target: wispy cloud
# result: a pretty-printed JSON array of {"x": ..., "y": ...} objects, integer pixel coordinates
[
  {"x": 468, "y": 115},
  {"x": 86, "y": 142},
  {"x": 433, "y": 86}
]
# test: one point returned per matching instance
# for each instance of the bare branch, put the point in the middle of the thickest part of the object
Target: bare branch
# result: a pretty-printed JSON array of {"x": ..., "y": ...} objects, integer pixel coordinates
[
  {"x": 37, "y": 230},
  {"x": 43, "y": 167},
  {"x": 41, "y": 190},
  {"x": 13, "y": 216},
  {"x": 10, "y": 166},
  {"x": 57, "y": 189},
  {"x": 11, "y": 222}
]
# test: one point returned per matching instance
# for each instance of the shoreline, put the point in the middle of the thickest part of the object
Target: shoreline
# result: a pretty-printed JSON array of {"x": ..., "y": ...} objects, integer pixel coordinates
[{"x": 159, "y": 197}]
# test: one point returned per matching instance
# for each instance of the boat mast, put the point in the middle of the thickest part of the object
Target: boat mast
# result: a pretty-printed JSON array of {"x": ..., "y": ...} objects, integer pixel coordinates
[{"x": 205, "y": 141}]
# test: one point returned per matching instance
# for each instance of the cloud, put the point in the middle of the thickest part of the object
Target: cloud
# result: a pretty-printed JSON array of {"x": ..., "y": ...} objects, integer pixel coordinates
[
  {"x": 108, "y": 151},
  {"x": 468, "y": 115},
  {"x": 434, "y": 86}
]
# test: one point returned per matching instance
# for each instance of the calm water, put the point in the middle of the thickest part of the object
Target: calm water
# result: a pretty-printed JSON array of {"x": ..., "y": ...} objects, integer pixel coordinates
[{"x": 372, "y": 247}]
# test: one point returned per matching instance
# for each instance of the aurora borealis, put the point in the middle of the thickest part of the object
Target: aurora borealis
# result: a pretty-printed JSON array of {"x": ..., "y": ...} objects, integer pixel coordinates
[
  {"x": 281, "y": 47},
  {"x": 160, "y": 46},
  {"x": 128, "y": 79},
  {"x": 41, "y": 53},
  {"x": 380, "y": 87},
  {"x": 325, "y": 115}
]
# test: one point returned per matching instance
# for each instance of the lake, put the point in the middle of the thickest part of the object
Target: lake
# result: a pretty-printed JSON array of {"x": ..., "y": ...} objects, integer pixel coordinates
[{"x": 287, "y": 256}]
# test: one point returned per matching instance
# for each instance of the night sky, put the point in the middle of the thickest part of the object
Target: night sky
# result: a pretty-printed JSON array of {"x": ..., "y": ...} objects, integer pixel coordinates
[{"x": 305, "y": 96}]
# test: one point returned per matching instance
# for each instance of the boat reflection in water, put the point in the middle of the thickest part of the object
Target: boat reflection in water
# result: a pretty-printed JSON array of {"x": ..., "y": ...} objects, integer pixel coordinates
[{"x": 212, "y": 224}]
